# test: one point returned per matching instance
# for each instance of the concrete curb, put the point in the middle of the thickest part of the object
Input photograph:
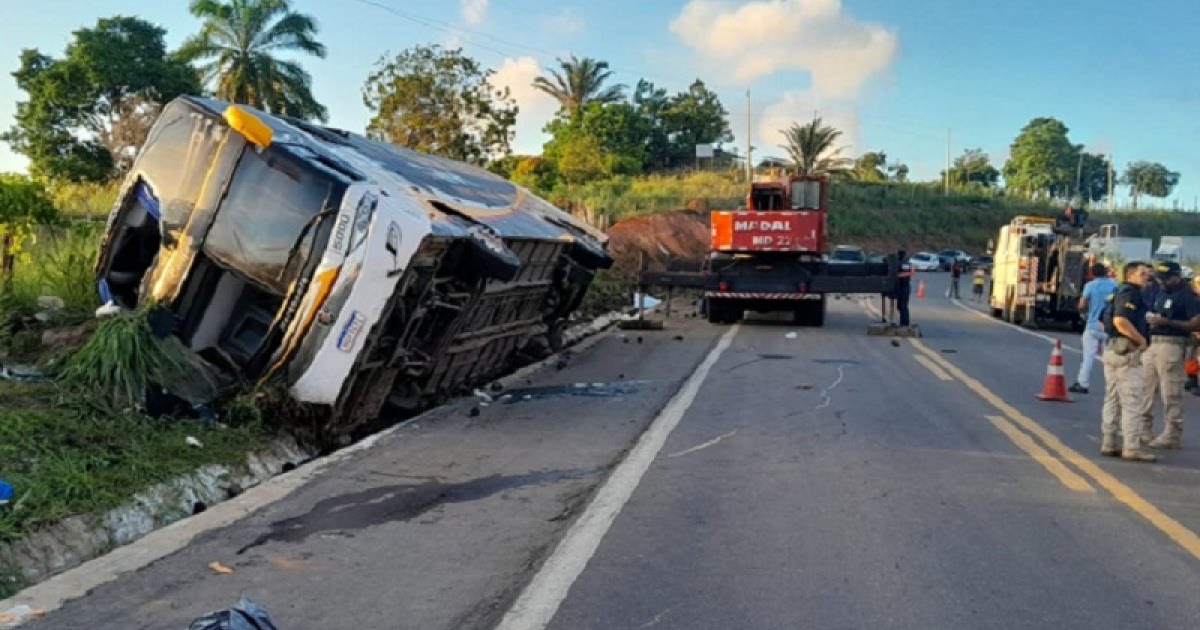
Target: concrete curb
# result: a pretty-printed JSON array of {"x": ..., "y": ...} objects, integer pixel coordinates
[{"x": 157, "y": 522}]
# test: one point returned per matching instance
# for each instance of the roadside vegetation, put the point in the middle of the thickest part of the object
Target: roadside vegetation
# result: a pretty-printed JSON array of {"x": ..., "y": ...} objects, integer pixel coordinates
[{"x": 78, "y": 444}]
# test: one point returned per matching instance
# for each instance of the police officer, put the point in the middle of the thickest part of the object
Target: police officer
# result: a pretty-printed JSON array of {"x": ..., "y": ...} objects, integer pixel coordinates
[
  {"x": 903, "y": 286},
  {"x": 1124, "y": 382},
  {"x": 1174, "y": 316}
]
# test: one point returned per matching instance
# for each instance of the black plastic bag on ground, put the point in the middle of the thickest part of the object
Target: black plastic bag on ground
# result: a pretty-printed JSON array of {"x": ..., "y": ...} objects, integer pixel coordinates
[{"x": 245, "y": 616}]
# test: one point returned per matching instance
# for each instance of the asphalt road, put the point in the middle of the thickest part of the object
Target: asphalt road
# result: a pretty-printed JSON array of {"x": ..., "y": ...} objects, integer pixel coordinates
[{"x": 827, "y": 480}]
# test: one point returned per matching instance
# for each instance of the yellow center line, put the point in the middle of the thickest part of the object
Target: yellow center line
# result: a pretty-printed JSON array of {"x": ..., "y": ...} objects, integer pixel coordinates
[
  {"x": 1039, "y": 454},
  {"x": 933, "y": 367},
  {"x": 1185, "y": 537}
]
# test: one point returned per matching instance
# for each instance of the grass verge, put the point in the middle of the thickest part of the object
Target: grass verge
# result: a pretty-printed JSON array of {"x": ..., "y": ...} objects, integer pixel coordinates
[{"x": 66, "y": 455}]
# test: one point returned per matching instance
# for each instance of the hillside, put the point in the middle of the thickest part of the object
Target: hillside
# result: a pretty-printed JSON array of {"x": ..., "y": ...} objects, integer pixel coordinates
[{"x": 877, "y": 217}]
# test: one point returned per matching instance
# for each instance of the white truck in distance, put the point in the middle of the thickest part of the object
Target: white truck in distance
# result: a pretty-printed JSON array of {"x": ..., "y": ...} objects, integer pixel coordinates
[
  {"x": 1180, "y": 249},
  {"x": 1110, "y": 248}
]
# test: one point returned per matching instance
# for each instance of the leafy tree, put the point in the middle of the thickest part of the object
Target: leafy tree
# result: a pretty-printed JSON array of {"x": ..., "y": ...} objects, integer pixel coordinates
[
  {"x": 505, "y": 165},
  {"x": 578, "y": 158},
  {"x": 1093, "y": 177},
  {"x": 580, "y": 82},
  {"x": 871, "y": 167},
  {"x": 238, "y": 43},
  {"x": 1149, "y": 178},
  {"x": 898, "y": 172},
  {"x": 535, "y": 173},
  {"x": 973, "y": 167},
  {"x": 651, "y": 103},
  {"x": 88, "y": 112},
  {"x": 694, "y": 116},
  {"x": 812, "y": 151},
  {"x": 616, "y": 131},
  {"x": 1043, "y": 161},
  {"x": 439, "y": 101},
  {"x": 24, "y": 204}
]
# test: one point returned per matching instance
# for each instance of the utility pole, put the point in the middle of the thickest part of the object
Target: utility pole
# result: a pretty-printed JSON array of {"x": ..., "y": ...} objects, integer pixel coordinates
[
  {"x": 946, "y": 185},
  {"x": 749, "y": 150},
  {"x": 1110, "y": 182},
  {"x": 1079, "y": 175}
]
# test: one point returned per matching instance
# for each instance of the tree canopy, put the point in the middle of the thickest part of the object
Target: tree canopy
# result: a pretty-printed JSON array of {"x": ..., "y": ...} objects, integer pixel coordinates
[
  {"x": 439, "y": 101},
  {"x": 680, "y": 122},
  {"x": 974, "y": 167},
  {"x": 1149, "y": 178},
  {"x": 813, "y": 151},
  {"x": 1042, "y": 160},
  {"x": 580, "y": 82},
  {"x": 88, "y": 112},
  {"x": 871, "y": 167},
  {"x": 238, "y": 44}
]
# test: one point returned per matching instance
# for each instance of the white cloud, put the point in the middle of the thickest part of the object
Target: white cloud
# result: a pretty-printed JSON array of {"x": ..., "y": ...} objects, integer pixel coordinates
[
  {"x": 839, "y": 52},
  {"x": 798, "y": 107},
  {"x": 536, "y": 107},
  {"x": 565, "y": 22},
  {"x": 474, "y": 11}
]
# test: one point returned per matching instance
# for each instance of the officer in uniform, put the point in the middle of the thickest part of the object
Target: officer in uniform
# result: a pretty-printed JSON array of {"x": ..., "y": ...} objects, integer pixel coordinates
[
  {"x": 1174, "y": 316},
  {"x": 1124, "y": 382},
  {"x": 903, "y": 286}
]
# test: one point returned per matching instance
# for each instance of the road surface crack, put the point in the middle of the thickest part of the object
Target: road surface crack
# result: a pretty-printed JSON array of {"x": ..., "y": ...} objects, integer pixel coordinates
[{"x": 704, "y": 445}]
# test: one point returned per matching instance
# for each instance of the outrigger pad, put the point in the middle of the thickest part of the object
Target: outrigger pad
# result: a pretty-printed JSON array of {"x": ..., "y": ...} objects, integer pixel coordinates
[
  {"x": 893, "y": 330},
  {"x": 640, "y": 324}
]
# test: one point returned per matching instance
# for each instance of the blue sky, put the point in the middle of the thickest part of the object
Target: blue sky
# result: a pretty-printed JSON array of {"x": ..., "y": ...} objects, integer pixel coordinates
[{"x": 1125, "y": 77}]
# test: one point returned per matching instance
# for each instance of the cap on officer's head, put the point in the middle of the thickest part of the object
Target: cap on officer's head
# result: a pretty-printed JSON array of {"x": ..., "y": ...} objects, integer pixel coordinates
[{"x": 1167, "y": 269}]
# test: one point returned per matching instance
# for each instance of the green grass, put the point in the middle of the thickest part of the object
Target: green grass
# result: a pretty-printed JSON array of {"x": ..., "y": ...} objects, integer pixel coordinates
[
  {"x": 122, "y": 360},
  {"x": 84, "y": 200},
  {"x": 67, "y": 456}
]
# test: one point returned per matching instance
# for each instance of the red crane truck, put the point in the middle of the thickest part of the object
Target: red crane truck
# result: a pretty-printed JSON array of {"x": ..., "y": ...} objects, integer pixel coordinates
[{"x": 770, "y": 256}]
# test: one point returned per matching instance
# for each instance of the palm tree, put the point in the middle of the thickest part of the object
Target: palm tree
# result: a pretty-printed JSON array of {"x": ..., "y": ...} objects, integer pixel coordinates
[
  {"x": 581, "y": 82},
  {"x": 812, "y": 150},
  {"x": 238, "y": 43}
]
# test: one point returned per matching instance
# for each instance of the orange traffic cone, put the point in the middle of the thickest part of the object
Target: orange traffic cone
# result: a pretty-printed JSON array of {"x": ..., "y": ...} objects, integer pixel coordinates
[
  {"x": 921, "y": 289},
  {"x": 1055, "y": 386}
]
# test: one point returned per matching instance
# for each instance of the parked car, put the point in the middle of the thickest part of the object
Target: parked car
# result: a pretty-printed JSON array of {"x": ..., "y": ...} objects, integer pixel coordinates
[
  {"x": 877, "y": 258},
  {"x": 947, "y": 257},
  {"x": 847, "y": 254},
  {"x": 924, "y": 261},
  {"x": 981, "y": 262}
]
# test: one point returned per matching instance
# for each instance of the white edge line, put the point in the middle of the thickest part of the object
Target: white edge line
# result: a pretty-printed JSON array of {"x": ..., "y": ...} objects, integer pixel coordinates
[
  {"x": 50, "y": 595},
  {"x": 539, "y": 602},
  {"x": 1014, "y": 326}
]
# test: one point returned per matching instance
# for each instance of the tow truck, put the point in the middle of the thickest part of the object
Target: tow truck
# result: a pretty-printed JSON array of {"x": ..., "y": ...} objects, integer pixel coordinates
[{"x": 770, "y": 256}]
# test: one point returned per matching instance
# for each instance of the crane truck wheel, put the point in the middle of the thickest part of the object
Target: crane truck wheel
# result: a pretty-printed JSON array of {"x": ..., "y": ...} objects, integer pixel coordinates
[
  {"x": 810, "y": 313},
  {"x": 716, "y": 311}
]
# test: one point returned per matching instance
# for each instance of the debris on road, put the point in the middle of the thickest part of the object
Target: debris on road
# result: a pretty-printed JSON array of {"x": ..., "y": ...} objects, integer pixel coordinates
[
  {"x": 474, "y": 412},
  {"x": 245, "y": 616},
  {"x": 484, "y": 396},
  {"x": 678, "y": 337},
  {"x": 23, "y": 373},
  {"x": 895, "y": 343},
  {"x": 19, "y": 614},
  {"x": 217, "y": 567},
  {"x": 791, "y": 335}
]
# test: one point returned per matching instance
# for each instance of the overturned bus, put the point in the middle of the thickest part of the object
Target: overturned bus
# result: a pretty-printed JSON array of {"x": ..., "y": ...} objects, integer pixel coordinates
[{"x": 354, "y": 271}]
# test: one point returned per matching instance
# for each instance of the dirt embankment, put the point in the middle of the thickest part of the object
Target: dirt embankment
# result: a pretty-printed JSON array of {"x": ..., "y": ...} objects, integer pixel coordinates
[{"x": 679, "y": 236}]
